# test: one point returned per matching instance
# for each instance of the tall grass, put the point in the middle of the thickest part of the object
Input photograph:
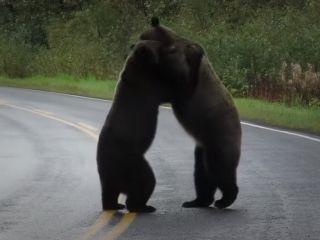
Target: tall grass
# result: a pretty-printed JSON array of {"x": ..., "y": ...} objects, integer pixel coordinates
[{"x": 15, "y": 57}]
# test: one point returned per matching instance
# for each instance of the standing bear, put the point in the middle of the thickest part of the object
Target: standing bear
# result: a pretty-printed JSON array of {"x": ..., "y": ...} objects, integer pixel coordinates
[
  {"x": 206, "y": 110},
  {"x": 129, "y": 130}
]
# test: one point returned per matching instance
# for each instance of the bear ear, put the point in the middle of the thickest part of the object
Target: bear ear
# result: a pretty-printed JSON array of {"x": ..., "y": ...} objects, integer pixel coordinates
[
  {"x": 194, "y": 54},
  {"x": 145, "y": 54},
  {"x": 155, "y": 22}
]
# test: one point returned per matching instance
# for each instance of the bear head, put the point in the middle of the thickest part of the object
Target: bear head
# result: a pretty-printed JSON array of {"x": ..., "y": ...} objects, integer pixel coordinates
[
  {"x": 143, "y": 70},
  {"x": 180, "y": 58}
]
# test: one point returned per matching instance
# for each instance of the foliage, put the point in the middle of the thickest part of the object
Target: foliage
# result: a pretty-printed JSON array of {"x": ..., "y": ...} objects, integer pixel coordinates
[
  {"x": 14, "y": 57},
  {"x": 261, "y": 48}
]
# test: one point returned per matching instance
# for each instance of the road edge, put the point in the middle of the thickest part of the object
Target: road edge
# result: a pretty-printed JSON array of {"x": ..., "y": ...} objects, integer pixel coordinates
[{"x": 312, "y": 137}]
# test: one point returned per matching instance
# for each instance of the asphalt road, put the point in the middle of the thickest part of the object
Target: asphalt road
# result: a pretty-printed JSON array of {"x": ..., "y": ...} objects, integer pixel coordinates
[{"x": 49, "y": 186}]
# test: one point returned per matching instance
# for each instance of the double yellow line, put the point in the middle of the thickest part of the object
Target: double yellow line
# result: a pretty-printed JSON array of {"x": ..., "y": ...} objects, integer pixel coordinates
[{"x": 104, "y": 218}]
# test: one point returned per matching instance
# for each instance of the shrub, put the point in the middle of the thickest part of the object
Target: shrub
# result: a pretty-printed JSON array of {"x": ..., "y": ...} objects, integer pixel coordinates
[
  {"x": 14, "y": 57},
  {"x": 265, "y": 49}
]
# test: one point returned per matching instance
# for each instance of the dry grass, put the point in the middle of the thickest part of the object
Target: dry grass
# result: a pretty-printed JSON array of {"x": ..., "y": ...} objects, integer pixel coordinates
[{"x": 294, "y": 85}]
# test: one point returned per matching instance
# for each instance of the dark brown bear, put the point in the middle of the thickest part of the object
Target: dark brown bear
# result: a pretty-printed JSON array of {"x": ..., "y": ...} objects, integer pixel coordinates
[
  {"x": 129, "y": 130},
  {"x": 206, "y": 110}
]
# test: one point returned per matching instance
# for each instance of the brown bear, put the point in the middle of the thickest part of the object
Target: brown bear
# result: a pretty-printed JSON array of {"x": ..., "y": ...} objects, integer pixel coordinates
[
  {"x": 206, "y": 110},
  {"x": 129, "y": 130}
]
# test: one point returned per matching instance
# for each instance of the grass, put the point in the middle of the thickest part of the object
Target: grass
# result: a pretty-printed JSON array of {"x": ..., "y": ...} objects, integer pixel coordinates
[
  {"x": 300, "y": 118},
  {"x": 90, "y": 86}
]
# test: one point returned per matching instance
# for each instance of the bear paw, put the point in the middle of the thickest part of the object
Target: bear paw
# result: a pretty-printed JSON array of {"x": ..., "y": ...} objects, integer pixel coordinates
[
  {"x": 197, "y": 204},
  {"x": 143, "y": 209},
  {"x": 228, "y": 198},
  {"x": 223, "y": 203},
  {"x": 113, "y": 207}
]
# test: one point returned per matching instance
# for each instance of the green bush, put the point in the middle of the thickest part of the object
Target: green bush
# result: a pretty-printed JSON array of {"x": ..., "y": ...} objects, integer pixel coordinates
[
  {"x": 14, "y": 57},
  {"x": 248, "y": 41}
]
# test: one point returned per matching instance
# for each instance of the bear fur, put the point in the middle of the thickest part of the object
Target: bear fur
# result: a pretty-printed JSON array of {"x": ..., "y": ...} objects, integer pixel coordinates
[
  {"x": 129, "y": 130},
  {"x": 204, "y": 107}
]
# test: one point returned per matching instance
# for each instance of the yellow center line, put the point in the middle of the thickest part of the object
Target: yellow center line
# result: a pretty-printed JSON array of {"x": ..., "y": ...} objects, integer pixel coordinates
[
  {"x": 43, "y": 114},
  {"x": 102, "y": 220},
  {"x": 122, "y": 226},
  {"x": 104, "y": 217},
  {"x": 42, "y": 111},
  {"x": 87, "y": 126}
]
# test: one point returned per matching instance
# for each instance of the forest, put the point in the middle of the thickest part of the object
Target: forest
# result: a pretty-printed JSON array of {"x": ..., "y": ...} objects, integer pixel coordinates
[{"x": 266, "y": 49}]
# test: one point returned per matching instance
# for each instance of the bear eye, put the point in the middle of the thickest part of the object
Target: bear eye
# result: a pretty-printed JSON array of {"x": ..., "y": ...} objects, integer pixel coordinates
[{"x": 171, "y": 49}]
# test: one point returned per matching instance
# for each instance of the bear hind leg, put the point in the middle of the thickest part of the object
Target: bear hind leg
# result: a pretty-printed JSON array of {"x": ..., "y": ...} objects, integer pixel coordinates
[
  {"x": 205, "y": 187},
  {"x": 140, "y": 188},
  {"x": 227, "y": 185},
  {"x": 225, "y": 172},
  {"x": 110, "y": 198}
]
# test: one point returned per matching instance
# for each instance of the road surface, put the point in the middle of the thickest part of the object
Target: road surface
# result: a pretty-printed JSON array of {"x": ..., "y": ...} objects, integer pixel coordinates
[{"x": 49, "y": 188}]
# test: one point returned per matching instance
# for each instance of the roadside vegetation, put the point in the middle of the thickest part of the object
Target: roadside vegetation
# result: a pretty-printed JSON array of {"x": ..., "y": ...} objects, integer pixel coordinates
[
  {"x": 277, "y": 114},
  {"x": 262, "y": 49},
  {"x": 90, "y": 86}
]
